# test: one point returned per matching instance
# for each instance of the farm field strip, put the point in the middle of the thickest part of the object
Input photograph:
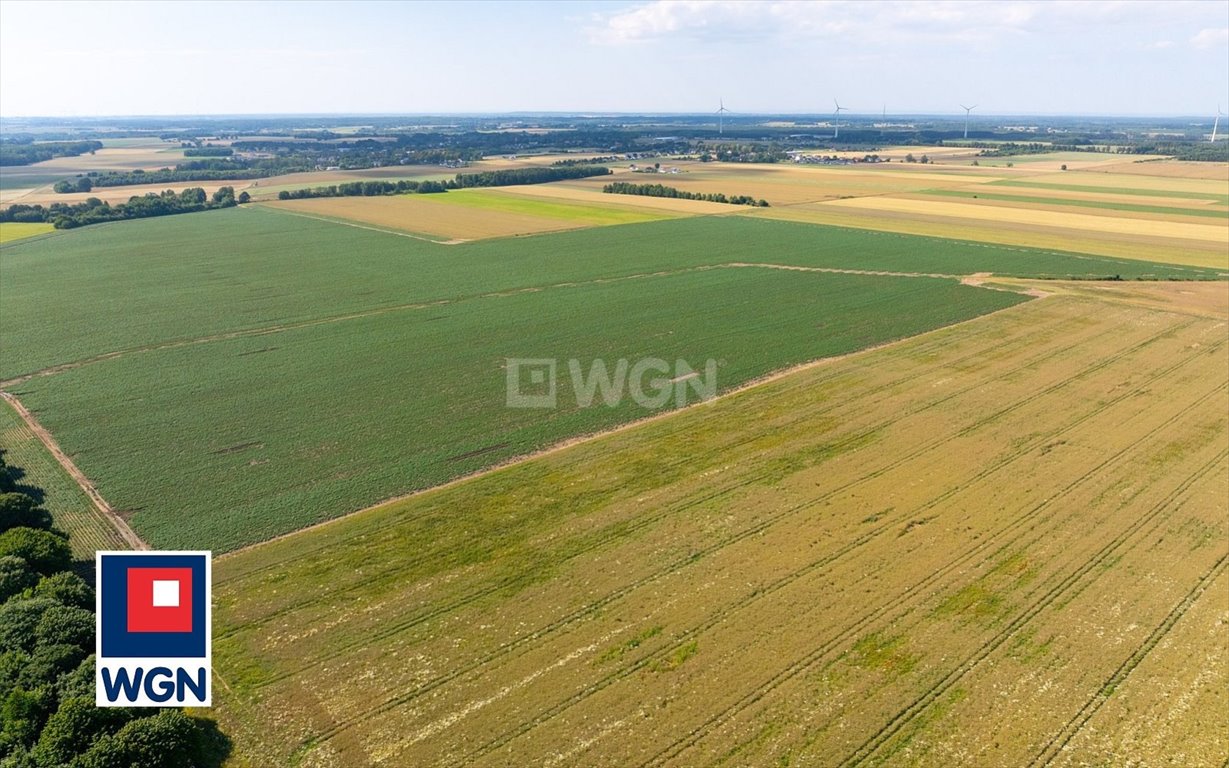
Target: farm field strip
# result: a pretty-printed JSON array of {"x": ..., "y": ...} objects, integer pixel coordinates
[
  {"x": 1158, "y": 212},
  {"x": 1144, "y": 183},
  {"x": 432, "y": 740},
  {"x": 467, "y": 214},
  {"x": 1084, "y": 222},
  {"x": 712, "y": 622},
  {"x": 1120, "y": 193},
  {"x": 1197, "y": 254}
]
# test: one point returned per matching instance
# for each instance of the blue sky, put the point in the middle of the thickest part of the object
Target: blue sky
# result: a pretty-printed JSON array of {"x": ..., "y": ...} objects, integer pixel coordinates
[{"x": 1008, "y": 56}]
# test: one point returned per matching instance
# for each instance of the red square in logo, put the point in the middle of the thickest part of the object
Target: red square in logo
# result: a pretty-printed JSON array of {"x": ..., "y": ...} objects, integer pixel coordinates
[{"x": 159, "y": 599}]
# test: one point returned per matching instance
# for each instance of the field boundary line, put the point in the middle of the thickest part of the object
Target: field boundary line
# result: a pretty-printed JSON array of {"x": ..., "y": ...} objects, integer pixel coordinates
[
  {"x": 579, "y": 439},
  {"x": 108, "y": 512}
]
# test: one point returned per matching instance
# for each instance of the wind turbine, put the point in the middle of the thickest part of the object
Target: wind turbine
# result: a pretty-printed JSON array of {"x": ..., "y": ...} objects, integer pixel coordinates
[
  {"x": 1216, "y": 123},
  {"x": 721, "y": 117},
  {"x": 967, "y": 110},
  {"x": 836, "y": 131}
]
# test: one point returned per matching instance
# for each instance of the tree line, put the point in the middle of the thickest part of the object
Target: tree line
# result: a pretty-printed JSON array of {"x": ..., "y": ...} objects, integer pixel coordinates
[
  {"x": 661, "y": 190},
  {"x": 47, "y": 628},
  {"x": 95, "y": 211},
  {"x": 15, "y": 153},
  {"x": 518, "y": 176},
  {"x": 505, "y": 178},
  {"x": 365, "y": 189},
  {"x": 208, "y": 152}
]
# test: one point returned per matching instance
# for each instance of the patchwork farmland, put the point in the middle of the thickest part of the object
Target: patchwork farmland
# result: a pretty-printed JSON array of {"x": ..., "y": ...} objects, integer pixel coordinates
[{"x": 958, "y": 501}]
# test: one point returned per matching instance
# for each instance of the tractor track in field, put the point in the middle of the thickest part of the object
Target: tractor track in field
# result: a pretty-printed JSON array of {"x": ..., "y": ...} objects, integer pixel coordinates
[
  {"x": 507, "y": 648},
  {"x": 784, "y": 581},
  {"x": 1027, "y": 517},
  {"x": 106, "y": 510},
  {"x": 645, "y": 521},
  {"x": 1058, "y": 743},
  {"x": 1072, "y": 580}
]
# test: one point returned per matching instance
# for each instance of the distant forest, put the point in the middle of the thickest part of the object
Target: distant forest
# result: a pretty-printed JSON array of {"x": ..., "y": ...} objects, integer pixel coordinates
[{"x": 15, "y": 153}]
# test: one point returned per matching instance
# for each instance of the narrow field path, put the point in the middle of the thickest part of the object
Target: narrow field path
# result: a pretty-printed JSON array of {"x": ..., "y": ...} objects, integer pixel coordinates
[{"x": 125, "y": 531}]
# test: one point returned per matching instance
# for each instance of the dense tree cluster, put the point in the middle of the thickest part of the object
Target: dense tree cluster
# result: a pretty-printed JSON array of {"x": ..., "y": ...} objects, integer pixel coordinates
[
  {"x": 364, "y": 189},
  {"x": 517, "y": 176},
  {"x": 79, "y": 184},
  {"x": 661, "y": 190},
  {"x": 94, "y": 211},
  {"x": 208, "y": 152},
  {"x": 47, "y": 713},
  {"x": 17, "y": 153}
]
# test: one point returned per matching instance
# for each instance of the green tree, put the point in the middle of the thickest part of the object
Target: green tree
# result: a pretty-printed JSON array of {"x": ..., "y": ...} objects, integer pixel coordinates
[
  {"x": 16, "y": 575},
  {"x": 244, "y": 197},
  {"x": 45, "y": 551},
  {"x": 47, "y": 664},
  {"x": 74, "y": 727},
  {"x": 22, "y": 714},
  {"x": 18, "y": 509},
  {"x": 67, "y": 625},
  {"x": 18, "y": 619},
  {"x": 169, "y": 739},
  {"x": 66, "y": 588}
]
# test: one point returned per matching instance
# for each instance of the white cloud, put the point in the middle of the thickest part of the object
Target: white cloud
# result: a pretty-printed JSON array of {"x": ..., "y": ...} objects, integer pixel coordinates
[
  {"x": 1208, "y": 38},
  {"x": 974, "y": 21}
]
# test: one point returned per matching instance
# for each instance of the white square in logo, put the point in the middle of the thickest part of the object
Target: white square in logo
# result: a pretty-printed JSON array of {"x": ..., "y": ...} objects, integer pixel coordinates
[{"x": 166, "y": 594}]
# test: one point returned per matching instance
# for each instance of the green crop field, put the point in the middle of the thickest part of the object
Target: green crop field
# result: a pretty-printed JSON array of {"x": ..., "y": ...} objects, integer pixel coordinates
[
  {"x": 128, "y": 285},
  {"x": 239, "y": 440}
]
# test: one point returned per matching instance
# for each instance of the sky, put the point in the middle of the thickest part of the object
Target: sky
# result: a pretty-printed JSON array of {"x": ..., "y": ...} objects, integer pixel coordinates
[{"x": 1100, "y": 57}]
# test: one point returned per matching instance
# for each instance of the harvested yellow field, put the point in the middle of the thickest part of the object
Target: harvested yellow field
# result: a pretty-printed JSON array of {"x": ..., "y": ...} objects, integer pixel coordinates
[
  {"x": 1175, "y": 169},
  {"x": 789, "y": 184},
  {"x": 469, "y": 214},
  {"x": 1215, "y": 182},
  {"x": 925, "y": 554},
  {"x": 1076, "y": 221},
  {"x": 1167, "y": 250}
]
